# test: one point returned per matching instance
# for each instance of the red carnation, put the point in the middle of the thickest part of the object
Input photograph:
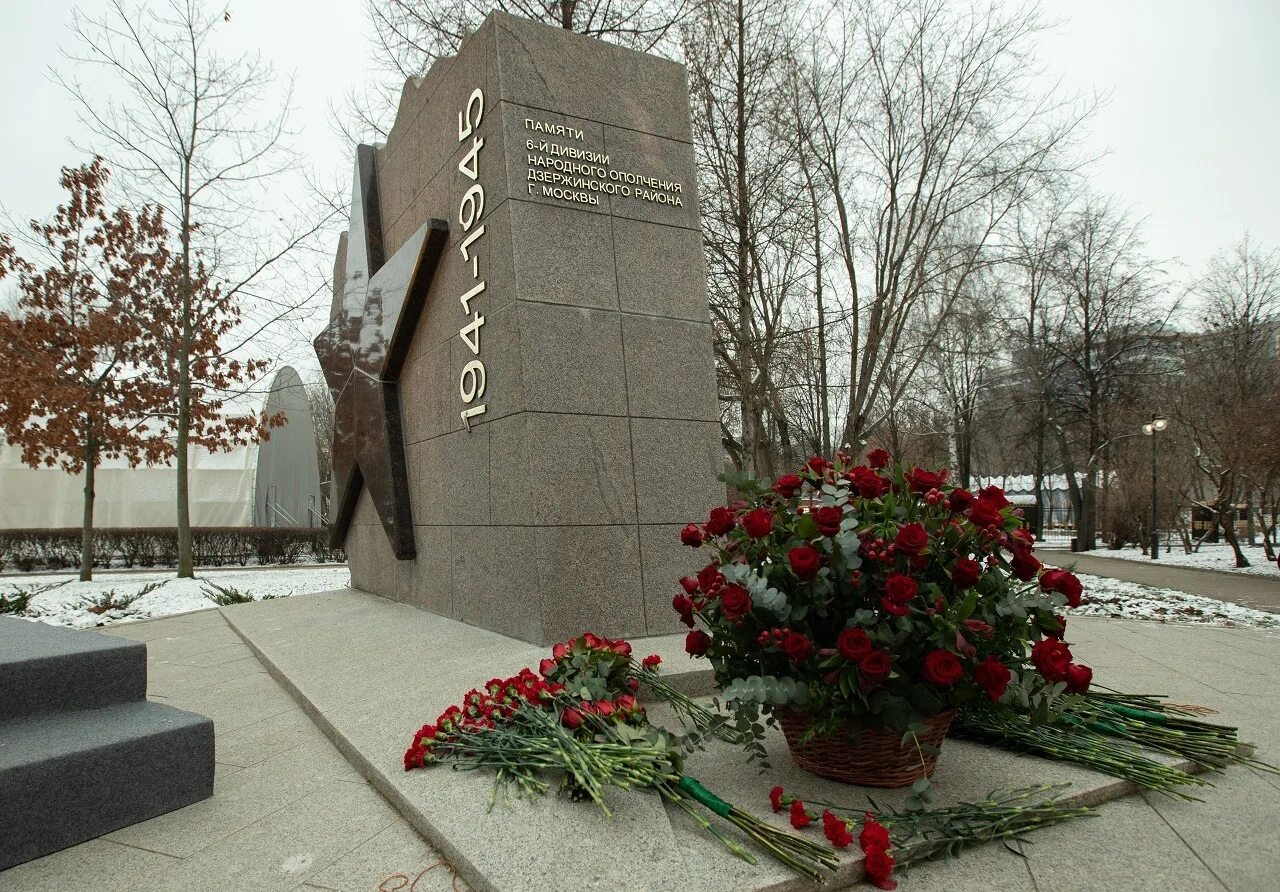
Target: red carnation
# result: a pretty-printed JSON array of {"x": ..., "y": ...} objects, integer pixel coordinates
[
  {"x": 966, "y": 572},
  {"x": 877, "y": 865},
  {"x": 1078, "y": 678},
  {"x": 992, "y": 676},
  {"x": 878, "y": 458},
  {"x": 720, "y": 521},
  {"x": 828, "y": 520},
  {"x": 920, "y": 480},
  {"x": 837, "y": 831},
  {"x": 799, "y": 817},
  {"x": 942, "y": 667},
  {"x": 1051, "y": 657},
  {"x": 571, "y": 719},
  {"x": 875, "y": 666},
  {"x": 696, "y": 643},
  {"x": 797, "y": 646},
  {"x": 873, "y": 835},
  {"x": 734, "y": 601},
  {"x": 651, "y": 662},
  {"x": 691, "y": 535},
  {"x": 805, "y": 561},
  {"x": 911, "y": 539},
  {"x": 853, "y": 644},
  {"x": 900, "y": 588},
  {"x": 775, "y": 798},
  {"x": 788, "y": 485}
]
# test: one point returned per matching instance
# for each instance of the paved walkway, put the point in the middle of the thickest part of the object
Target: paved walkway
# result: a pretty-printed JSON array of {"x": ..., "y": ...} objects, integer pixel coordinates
[
  {"x": 288, "y": 812},
  {"x": 1259, "y": 592}
]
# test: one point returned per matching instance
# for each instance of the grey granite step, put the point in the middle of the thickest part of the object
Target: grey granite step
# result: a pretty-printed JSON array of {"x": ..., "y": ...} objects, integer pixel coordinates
[
  {"x": 67, "y": 777},
  {"x": 46, "y": 669}
]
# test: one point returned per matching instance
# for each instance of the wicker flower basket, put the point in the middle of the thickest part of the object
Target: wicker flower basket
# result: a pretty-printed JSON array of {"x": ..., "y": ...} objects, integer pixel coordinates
[{"x": 877, "y": 759}]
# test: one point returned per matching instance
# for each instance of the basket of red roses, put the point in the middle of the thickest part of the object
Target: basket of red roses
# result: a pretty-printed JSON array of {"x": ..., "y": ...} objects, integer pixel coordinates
[{"x": 860, "y": 604}]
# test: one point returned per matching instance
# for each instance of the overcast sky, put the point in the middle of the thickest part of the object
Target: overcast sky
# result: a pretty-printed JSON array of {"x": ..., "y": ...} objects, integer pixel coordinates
[{"x": 1191, "y": 127}]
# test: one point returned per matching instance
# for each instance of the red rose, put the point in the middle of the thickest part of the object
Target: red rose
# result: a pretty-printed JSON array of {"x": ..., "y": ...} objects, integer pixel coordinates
[
  {"x": 1059, "y": 627},
  {"x": 1023, "y": 535},
  {"x": 993, "y": 495},
  {"x": 734, "y": 601},
  {"x": 696, "y": 643},
  {"x": 604, "y": 707},
  {"x": 911, "y": 539},
  {"x": 799, "y": 817},
  {"x": 920, "y": 480},
  {"x": 893, "y": 607},
  {"x": 710, "y": 579},
  {"x": 900, "y": 588},
  {"x": 560, "y": 651},
  {"x": 571, "y": 719},
  {"x": 651, "y": 662},
  {"x": 689, "y": 584},
  {"x": 788, "y": 485},
  {"x": 691, "y": 535},
  {"x": 828, "y": 520},
  {"x": 853, "y": 644},
  {"x": 992, "y": 676},
  {"x": 965, "y": 573},
  {"x": 817, "y": 465},
  {"x": 1065, "y": 583},
  {"x": 758, "y": 523},
  {"x": 877, "y": 865},
  {"x": 979, "y": 628},
  {"x": 805, "y": 561},
  {"x": 878, "y": 458},
  {"x": 1051, "y": 657},
  {"x": 683, "y": 606},
  {"x": 869, "y": 484},
  {"x": 984, "y": 514},
  {"x": 775, "y": 798},
  {"x": 875, "y": 666},
  {"x": 546, "y": 667},
  {"x": 942, "y": 667},
  {"x": 873, "y": 835},
  {"x": 797, "y": 646},
  {"x": 1025, "y": 565},
  {"x": 959, "y": 500},
  {"x": 1078, "y": 678},
  {"x": 720, "y": 521}
]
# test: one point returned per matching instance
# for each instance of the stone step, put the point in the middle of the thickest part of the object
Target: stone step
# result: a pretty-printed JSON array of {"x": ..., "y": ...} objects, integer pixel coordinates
[
  {"x": 67, "y": 777},
  {"x": 46, "y": 669}
]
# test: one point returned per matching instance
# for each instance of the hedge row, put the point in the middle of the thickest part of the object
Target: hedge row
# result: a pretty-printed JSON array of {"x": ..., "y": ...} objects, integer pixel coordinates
[{"x": 59, "y": 549}]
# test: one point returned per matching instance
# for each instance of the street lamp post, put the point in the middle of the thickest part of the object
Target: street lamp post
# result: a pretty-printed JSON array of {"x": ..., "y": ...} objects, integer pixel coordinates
[{"x": 1151, "y": 429}]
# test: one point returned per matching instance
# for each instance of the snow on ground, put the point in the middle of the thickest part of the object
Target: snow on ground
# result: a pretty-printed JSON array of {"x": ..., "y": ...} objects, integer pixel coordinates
[
  {"x": 65, "y": 601},
  {"x": 1118, "y": 598},
  {"x": 1209, "y": 557}
]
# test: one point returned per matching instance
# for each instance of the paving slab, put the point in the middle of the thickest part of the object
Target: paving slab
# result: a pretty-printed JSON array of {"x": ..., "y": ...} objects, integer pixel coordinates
[{"x": 331, "y": 651}]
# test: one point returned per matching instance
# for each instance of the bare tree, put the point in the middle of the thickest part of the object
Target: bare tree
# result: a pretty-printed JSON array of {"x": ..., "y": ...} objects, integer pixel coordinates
[
  {"x": 1231, "y": 399},
  {"x": 204, "y": 137},
  {"x": 1104, "y": 331},
  {"x": 928, "y": 130}
]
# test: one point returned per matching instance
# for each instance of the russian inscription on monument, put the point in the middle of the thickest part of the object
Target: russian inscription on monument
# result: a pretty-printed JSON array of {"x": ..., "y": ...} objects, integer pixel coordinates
[{"x": 527, "y": 406}]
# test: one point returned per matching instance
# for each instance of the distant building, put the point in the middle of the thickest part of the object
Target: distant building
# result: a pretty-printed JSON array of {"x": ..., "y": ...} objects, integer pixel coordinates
[{"x": 276, "y": 483}]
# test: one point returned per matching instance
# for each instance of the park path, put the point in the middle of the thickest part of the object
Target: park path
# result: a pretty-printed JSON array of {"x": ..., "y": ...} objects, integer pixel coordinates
[{"x": 1259, "y": 592}]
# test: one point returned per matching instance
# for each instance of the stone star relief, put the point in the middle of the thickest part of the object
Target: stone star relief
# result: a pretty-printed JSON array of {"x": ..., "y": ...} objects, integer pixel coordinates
[{"x": 362, "y": 353}]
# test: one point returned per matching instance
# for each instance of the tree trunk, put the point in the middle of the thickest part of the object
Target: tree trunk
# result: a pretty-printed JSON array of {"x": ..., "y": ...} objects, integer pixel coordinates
[
  {"x": 86, "y": 526},
  {"x": 186, "y": 564},
  {"x": 1227, "y": 520}
]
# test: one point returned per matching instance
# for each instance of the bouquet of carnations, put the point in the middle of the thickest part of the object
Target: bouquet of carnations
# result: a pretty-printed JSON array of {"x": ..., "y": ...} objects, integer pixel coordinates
[{"x": 578, "y": 719}]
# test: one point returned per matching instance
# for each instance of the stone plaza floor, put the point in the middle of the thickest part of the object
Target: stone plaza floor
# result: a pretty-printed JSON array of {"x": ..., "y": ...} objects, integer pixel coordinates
[{"x": 290, "y": 813}]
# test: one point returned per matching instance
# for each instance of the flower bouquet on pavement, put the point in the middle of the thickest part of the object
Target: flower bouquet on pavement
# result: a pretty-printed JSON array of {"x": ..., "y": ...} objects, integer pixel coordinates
[
  {"x": 578, "y": 720},
  {"x": 861, "y": 605}
]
